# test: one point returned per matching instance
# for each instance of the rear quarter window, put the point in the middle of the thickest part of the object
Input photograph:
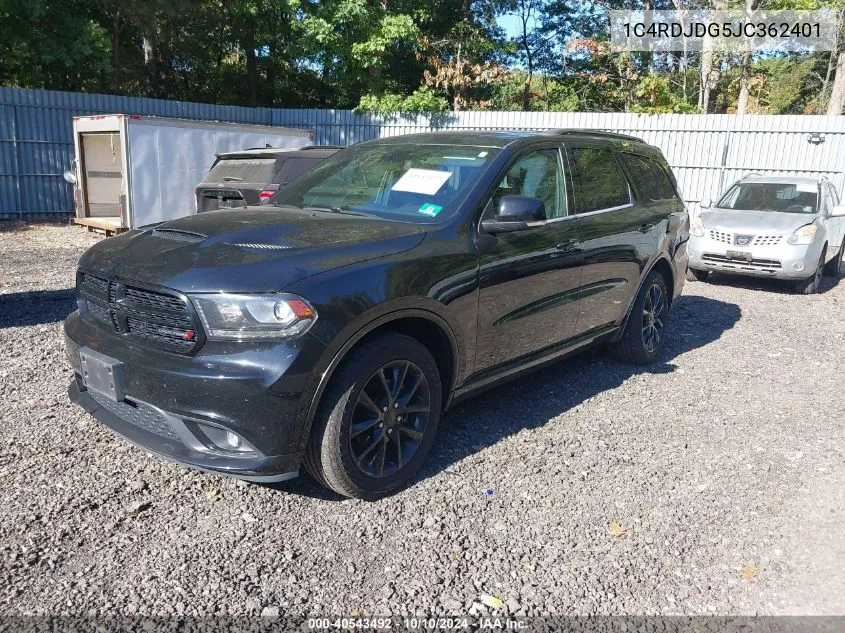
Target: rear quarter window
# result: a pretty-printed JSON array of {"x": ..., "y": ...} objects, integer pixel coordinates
[
  {"x": 650, "y": 178},
  {"x": 597, "y": 178}
]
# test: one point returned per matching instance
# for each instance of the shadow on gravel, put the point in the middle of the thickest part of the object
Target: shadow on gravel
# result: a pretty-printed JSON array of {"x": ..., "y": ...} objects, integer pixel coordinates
[
  {"x": 533, "y": 400},
  {"x": 779, "y": 286},
  {"x": 19, "y": 309}
]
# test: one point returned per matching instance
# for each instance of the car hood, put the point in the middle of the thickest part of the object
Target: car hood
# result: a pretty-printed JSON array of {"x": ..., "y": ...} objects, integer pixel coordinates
[
  {"x": 754, "y": 222},
  {"x": 256, "y": 249}
]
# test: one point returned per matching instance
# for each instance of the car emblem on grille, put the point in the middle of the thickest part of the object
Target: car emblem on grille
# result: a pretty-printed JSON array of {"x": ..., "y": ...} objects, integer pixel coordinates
[{"x": 743, "y": 240}]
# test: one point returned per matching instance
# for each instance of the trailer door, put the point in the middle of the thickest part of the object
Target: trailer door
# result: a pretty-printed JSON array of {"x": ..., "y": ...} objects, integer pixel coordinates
[{"x": 102, "y": 161}]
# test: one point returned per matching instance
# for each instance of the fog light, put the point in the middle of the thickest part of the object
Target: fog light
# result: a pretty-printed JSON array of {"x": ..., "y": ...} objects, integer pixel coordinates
[
  {"x": 798, "y": 266},
  {"x": 233, "y": 440},
  {"x": 224, "y": 439}
]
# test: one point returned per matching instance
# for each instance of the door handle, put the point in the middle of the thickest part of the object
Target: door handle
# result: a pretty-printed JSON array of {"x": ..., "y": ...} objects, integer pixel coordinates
[
  {"x": 566, "y": 245},
  {"x": 646, "y": 227}
]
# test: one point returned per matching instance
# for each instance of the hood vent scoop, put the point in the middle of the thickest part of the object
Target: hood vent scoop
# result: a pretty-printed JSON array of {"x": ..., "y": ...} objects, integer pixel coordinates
[
  {"x": 179, "y": 236},
  {"x": 263, "y": 247}
]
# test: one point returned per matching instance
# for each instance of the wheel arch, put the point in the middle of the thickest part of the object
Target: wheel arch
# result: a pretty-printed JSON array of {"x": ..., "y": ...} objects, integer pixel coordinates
[
  {"x": 662, "y": 265},
  {"x": 430, "y": 329}
]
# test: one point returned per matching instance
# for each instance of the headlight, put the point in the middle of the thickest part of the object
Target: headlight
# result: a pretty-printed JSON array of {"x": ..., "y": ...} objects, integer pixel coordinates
[
  {"x": 803, "y": 236},
  {"x": 696, "y": 227},
  {"x": 234, "y": 317}
]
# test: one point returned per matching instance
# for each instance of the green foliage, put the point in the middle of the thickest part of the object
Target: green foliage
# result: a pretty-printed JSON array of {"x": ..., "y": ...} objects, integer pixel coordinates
[
  {"x": 547, "y": 93},
  {"x": 422, "y": 101},
  {"x": 386, "y": 57},
  {"x": 51, "y": 44},
  {"x": 654, "y": 94}
]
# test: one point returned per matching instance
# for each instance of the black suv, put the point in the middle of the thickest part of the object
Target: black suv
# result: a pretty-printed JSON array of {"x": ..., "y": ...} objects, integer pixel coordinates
[
  {"x": 335, "y": 325},
  {"x": 252, "y": 176}
]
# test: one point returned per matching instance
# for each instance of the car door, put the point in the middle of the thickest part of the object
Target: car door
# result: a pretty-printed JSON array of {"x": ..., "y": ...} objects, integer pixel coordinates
[
  {"x": 528, "y": 279},
  {"x": 835, "y": 225},
  {"x": 617, "y": 237}
]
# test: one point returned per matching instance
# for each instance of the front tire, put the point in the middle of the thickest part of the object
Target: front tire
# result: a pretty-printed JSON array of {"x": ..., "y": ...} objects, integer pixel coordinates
[
  {"x": 834, "y": 265},
  {"x": 643, "y": 336},
  {"x": 697, "y": 275},
  {"x": 377, "y": 420},
  {"x": 811, "y": 284}
]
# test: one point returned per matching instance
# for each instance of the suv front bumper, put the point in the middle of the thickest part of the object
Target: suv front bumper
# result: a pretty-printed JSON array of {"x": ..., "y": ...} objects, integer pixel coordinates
[
  {"x": 179, "y": 407},
  {"x": 779, "y": 261}
]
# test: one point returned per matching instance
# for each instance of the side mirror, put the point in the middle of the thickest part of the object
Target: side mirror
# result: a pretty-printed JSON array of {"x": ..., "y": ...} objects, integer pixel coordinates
[
  {"x": 705, "y": 203},
  {"x": 515, "y": 213},
  {"x": 838, "y": 211},
  {"x": 70, "y": 177}
]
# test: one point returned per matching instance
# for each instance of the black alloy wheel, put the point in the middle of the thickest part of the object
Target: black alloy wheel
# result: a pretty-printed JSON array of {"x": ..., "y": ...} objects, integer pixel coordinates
[
  {"x": 642, "y": 339},
  {"x": 389, "y": 419},
  {"x": 655, "y": 309},
  {"x": 377, "y": 419}
]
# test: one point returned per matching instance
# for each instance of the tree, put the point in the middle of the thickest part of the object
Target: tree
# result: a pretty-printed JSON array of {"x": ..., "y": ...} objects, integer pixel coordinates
[{"x": 745, "y": 73}]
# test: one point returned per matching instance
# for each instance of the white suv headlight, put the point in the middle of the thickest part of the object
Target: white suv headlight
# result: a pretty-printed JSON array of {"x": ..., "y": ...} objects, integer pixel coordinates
[
  {"x": 803, "y": 236},
  {"x": 696, "y": 227},
  {"x": 237, "y": 317}
]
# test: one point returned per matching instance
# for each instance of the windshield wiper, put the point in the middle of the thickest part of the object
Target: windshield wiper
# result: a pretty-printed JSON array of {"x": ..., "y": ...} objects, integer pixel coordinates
[
  {"x": 343, "y": 210},
  {"x": 229, "y": 178}
]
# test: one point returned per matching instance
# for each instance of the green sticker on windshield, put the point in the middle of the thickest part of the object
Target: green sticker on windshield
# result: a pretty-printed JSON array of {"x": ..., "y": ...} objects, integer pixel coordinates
[{"x": 430, "y": 209}]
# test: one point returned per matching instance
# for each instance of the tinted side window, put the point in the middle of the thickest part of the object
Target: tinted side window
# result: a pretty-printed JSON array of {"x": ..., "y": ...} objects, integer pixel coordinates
[
  {"x": 294, "y": 167},
  {"x": 650, "y": 179},
  {"x": 537, "y": 175},
  {"x": 599, "y": 182}
]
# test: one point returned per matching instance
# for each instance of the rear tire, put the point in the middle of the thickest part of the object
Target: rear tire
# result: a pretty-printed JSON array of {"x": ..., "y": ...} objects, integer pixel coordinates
[
  {"x": 643, "y": 336},
  {"x": 377, "y": 419},
  {"x": 811, "y": 284},
  {"x": 694, "y": 274},
  {"x": 832, "y": 268}
]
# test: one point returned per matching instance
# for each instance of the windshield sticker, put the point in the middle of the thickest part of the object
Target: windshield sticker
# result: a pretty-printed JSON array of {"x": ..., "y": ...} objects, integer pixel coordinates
[
  {"x": 425, "y": 181},
  {"x": 805, "y": 188},
  {"x": 430, "y": 209},
  {"x": 482, "y": 154}
]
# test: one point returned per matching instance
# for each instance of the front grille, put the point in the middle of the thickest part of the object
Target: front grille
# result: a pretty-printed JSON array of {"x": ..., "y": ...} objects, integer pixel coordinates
[
  {"x": 767, "y": 240},
  {"x": 719, "y": 236},
  {"x": 146, "y": 299},
  {"x": 137, "y": 414},
  {"x": 765, "y": 265},
  {"x": 158, "y": 318}
]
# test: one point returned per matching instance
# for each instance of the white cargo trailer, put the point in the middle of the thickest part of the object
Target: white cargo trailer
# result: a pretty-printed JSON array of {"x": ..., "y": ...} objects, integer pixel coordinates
[{"x": 133, "y": 170}]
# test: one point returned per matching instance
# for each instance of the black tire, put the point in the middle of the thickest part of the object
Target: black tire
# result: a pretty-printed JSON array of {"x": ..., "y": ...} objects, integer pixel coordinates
[
  {"x": 367, "y": 463},
  {"x": 636, "y": 346},
  {"x": 811, "y": 285},
  {"x": 832, "y": 268},
  {"x": 694, "y": 274}
]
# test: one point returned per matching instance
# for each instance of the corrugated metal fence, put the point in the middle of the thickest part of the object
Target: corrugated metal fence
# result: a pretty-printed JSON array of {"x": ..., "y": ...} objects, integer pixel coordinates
[{"x": 707, "y": 152}]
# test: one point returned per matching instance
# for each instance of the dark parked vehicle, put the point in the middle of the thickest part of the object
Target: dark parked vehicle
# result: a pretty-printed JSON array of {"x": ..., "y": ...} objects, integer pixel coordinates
[
  {"x": 252, "y": 176},
  {"x": 335, "y": 325}
]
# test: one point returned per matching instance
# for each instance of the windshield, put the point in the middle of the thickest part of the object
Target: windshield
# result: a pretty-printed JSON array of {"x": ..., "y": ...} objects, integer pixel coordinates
[
  {"x": 770, "y": 196},
  {"x": 409, "y": 183}
]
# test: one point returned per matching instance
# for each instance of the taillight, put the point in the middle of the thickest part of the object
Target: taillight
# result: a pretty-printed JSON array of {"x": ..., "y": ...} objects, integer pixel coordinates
[{"x": 267, "y": 193}]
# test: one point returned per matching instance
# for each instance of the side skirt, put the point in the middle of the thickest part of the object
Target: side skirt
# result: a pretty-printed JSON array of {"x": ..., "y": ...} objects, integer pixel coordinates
[{"x": 537, "y": 360}]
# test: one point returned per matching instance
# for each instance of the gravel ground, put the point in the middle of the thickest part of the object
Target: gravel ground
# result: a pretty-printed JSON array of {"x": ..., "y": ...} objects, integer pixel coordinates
[{"x": 712, "y": 483}]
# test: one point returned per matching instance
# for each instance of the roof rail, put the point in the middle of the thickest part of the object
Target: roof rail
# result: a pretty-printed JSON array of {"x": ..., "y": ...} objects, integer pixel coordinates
[
  {"x": 323, "y": 147},
  {"x": 571, "y": 130}
]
